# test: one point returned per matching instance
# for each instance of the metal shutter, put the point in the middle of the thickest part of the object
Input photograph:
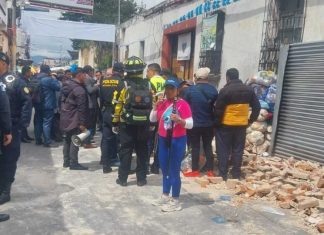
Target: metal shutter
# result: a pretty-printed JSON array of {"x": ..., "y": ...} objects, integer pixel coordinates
[{"x": 300, "y": 118}]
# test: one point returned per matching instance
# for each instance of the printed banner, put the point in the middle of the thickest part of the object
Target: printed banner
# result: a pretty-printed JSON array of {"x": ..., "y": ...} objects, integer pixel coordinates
[
  {"x": 184, "y": 46},
  {"x": 77, "y": 6},
  {"x": 208, "y": 34}
]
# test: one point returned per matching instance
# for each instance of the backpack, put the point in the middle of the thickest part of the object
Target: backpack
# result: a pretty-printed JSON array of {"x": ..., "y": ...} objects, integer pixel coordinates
[
  {"x": 138, "y": 103},
  {"x": 36, "y": 89}
]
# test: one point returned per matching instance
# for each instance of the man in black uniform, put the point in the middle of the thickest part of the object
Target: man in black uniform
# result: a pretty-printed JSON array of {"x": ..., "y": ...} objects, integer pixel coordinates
[
  {"x": 109, "y": 87},
  {"x": 26, "y": 74},
  {"x": 20, "y": 104},
  {"x": 5, "y": 127}
]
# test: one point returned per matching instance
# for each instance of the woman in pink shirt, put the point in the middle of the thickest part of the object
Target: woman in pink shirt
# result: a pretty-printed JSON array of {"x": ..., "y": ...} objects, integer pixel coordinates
[{"x": 174, "y": 117}]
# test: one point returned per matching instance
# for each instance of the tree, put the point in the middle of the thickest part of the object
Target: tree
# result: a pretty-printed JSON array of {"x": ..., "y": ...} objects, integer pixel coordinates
[{"x": 104, "y": 12}]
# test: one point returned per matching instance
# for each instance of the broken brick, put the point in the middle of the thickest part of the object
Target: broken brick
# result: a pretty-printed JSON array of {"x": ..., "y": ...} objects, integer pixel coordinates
[
  {"x": 320, "y": 226},
  {"x": 231, "y": 183},
  {"x": 288, "y": 188},
  {"x": 263, "y": 190},
  {"x": 284, "y": 196},
  {"x": 299, "y": 174},
  {"x": 285, "y": 205},
  {"x": 308, "y": 203},
  {"x": 250, "y": 178},
  {"x": 264, "y": 168},
  {"x": 275, "y": 179},
  {"x": 320, "y": 183},
  {"x": 203, "y": 182},
  {"x": 318, "y": 195},
  {"x": 292, "y": 182},
  {"x": 300, "y": 198},
  {"x": 298, "y": 192},
  {"x": 215, "y": 180},
  {"x": 259, "y": 175}
]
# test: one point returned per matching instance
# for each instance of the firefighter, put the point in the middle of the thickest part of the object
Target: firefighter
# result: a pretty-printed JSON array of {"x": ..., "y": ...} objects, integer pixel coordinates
[{"x": 131, "y": 121}]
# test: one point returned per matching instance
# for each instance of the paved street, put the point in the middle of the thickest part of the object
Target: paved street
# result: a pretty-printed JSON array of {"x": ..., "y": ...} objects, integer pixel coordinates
[{"x": 48, "y": 199}]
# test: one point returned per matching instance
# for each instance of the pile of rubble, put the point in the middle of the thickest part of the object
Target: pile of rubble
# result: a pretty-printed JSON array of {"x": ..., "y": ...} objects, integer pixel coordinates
[
  {"x": 292, "y": 184},
  {"x": 259, "y": 135}
]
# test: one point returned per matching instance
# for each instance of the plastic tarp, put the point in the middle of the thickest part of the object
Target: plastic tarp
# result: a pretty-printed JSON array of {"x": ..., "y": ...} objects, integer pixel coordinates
[{"x": 69, "y": 29}]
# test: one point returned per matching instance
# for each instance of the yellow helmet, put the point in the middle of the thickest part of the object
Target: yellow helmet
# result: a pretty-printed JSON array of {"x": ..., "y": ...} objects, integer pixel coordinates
[{"x": 134, "y": 65}]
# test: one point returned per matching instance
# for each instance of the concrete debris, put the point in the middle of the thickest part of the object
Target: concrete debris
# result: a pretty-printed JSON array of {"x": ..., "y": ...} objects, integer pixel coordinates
[{"x": 292, "y": 184}]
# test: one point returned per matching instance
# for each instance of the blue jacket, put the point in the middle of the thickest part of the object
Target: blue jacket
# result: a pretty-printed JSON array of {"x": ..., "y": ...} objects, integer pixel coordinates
[
  {"x": 201, "y": 97},
  {"x": 49, "y": 88}
]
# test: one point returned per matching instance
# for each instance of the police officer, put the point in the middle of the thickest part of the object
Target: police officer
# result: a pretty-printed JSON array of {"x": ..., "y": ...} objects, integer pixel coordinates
[
  {"x": 131, "y": 119},
  {"x": 110, "y": 87},
  {"x": 20, "y": 104},
  {"x": 26, "y": 74},
  {"x": 5, "y": 128}
]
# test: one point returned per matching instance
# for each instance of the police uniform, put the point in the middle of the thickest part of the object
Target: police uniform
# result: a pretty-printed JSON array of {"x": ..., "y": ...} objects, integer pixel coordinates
[
  {"x": 133, "y": 136},
  {"x": 5, "y": 128},
  {"x": 24, "y": 133},
  {"x": 109, "y": 87},
  {"x": 20, "y": 104}
]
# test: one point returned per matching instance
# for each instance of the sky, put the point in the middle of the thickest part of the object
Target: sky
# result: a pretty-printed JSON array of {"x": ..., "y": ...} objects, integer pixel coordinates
[{"x": 57, "y": 47}]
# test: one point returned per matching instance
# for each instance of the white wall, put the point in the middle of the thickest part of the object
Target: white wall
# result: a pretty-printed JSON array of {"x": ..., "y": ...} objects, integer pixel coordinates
[
  {"x": 150, "y": 30},
  {"x": 314, "y": 22},
  {"x": 242, "y": 38}
]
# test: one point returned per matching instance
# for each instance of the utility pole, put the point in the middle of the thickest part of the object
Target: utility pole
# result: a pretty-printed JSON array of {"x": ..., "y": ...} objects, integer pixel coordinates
[
  {"x": 12, "y": 5},
  {"x": 116, "y": 43}
]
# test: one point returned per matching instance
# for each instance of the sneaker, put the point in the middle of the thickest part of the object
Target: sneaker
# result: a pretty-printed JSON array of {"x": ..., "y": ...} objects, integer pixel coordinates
[
  {"x": 155, "y": 170},
  {"x": 161, "y": 201},
  {"x": 4, "y": 217},
  {"x": 121, "y": 183},
  {"x": 192, "y": 174},
  {"x": 173, "y": 205},
  {"x": 210, "y": 174}
]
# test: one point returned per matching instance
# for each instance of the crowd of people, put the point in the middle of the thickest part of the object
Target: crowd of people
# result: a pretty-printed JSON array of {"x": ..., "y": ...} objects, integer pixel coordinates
[{"x": 158, "y": 115}]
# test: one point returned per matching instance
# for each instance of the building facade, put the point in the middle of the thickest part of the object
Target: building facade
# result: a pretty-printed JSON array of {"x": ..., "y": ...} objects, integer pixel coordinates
[{"x": 245, "y": 34}]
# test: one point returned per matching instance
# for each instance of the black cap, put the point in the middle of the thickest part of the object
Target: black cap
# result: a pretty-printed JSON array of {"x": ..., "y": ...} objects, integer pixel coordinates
[
  {"x": 118, "y": 67},
  {"x": 45, "y": 69},
  {"x": 25, "y": 69},
  {"x": 4, "y": 58},
  {"x": 87, "y": 69}
]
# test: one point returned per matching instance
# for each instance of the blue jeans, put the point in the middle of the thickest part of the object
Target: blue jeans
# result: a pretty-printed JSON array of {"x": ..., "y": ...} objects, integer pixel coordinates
[
  {"x": 48, "y": 115},
  {"x": 170, "y": 163},
  {"x": 38, "y": 123}
]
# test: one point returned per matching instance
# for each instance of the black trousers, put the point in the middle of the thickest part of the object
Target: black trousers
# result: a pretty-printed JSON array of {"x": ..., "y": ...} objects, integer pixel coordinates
[
  {"x": 230, "y": 142},
  {"x": 133, "y": 138},
  {"x": 206, "y": 134},
  {"x": 109, "y": 139},
  {"x": 9, "y": 158},
  {"x": 70, "y": 151}
]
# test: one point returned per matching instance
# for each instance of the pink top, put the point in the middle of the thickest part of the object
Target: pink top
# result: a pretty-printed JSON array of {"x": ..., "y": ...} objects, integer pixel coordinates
[{"x": 164, "y": 111}]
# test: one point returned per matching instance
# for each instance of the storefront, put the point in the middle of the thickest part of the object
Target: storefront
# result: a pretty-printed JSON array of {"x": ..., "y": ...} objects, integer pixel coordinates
[{"x": 178, "y": 49}]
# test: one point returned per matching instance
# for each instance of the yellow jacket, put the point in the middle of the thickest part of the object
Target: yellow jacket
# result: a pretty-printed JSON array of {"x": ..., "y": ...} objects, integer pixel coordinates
[
  {"x": 158, "y": 83},
  {"x": 119, "y": 102}
]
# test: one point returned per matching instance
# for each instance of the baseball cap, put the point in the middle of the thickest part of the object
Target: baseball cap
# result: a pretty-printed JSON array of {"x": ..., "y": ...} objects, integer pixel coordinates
[
  {"x": 4, "y": 58},
  {"x": 202, "y": 73},
  {"x": 171, "y": 82}
]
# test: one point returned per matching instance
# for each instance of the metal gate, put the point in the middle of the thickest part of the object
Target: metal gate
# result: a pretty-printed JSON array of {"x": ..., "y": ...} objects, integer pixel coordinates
[{"x": 298, "y": 125}]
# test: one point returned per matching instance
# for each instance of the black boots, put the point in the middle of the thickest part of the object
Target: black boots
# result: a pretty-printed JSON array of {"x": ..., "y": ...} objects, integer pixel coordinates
[
  {"x": 78, "y": 167},
  {"x": 5, "y": 194},
  {"x": 4, "y": 217}
]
